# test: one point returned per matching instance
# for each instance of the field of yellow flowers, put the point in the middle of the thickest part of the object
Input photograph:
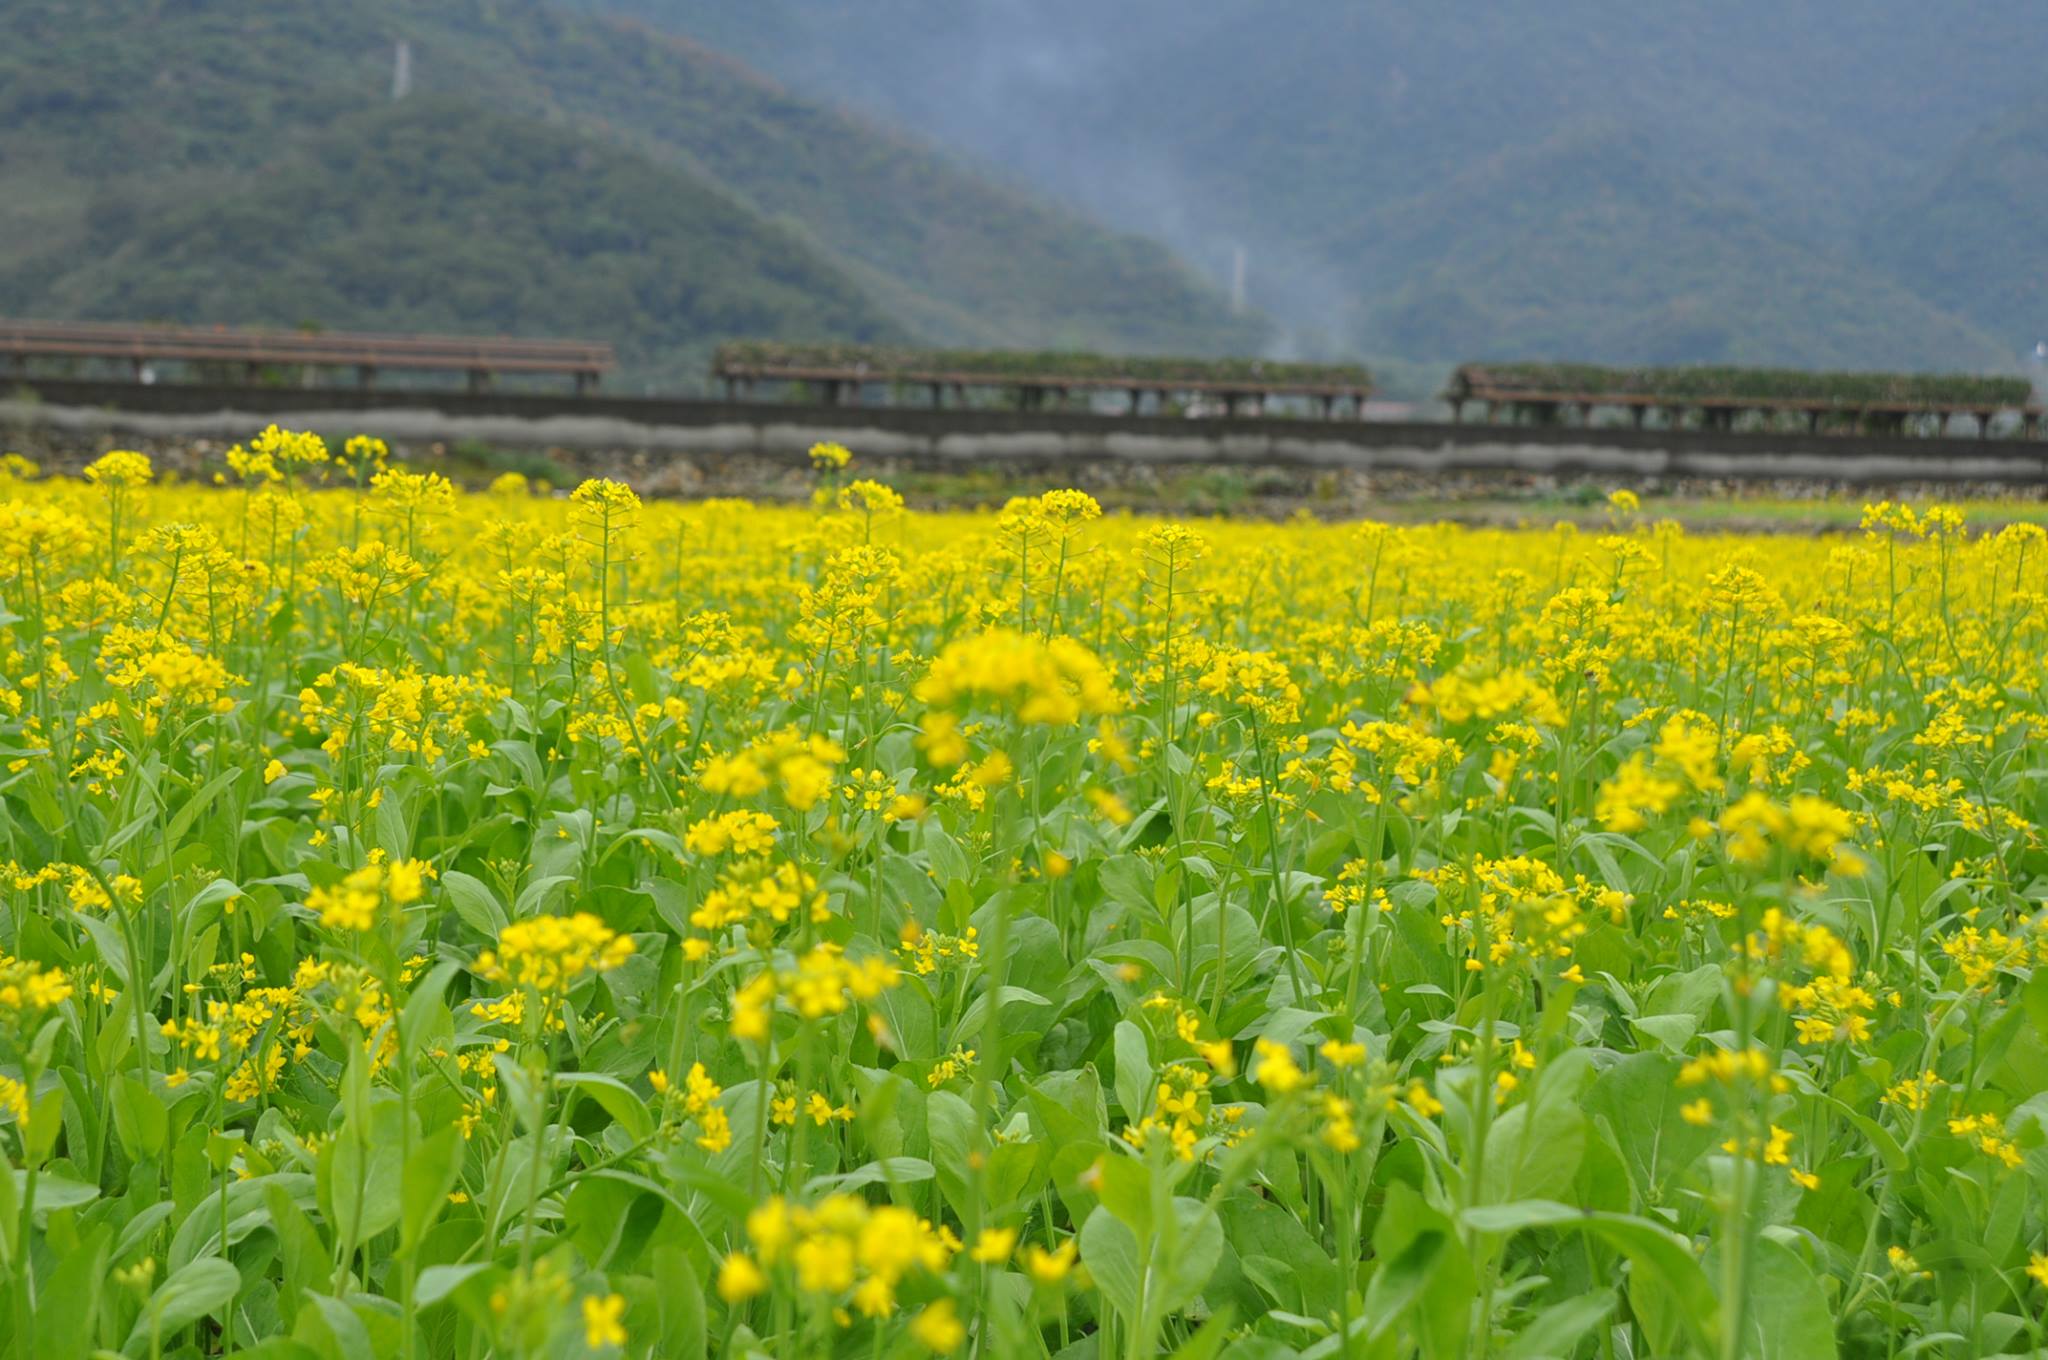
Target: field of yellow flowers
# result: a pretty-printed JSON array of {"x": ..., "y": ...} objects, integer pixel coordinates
[{"x": 450, "y": 924}]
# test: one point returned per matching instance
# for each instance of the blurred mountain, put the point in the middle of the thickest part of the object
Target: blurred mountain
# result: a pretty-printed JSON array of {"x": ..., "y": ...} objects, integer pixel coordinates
[
  {"x": 548, "y": 172},
  {"x": 1974, "y": 237},
  {"x": 1386, "y": 167}
]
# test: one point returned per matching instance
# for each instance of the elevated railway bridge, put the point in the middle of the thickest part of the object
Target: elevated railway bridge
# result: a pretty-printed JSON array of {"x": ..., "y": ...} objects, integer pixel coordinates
[{"x": 960, "y": 411}]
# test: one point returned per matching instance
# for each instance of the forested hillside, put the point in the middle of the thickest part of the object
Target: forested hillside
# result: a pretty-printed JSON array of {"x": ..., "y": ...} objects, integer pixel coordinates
[
  {"x": 1976, "y": 234},
  {"x": 549, "y": 172},
  {"x": 1389, "y": 168}
]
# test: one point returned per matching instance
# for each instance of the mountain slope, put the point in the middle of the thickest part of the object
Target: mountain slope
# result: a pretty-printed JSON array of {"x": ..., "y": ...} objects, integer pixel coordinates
[
  {"x": 580, "y": 239},
  {"x": 1584, "y": 246},
  {"x": 1307, "y": 134},
  {"x": 1976, "y": 237},
  {"x": 123, "y": 114}
]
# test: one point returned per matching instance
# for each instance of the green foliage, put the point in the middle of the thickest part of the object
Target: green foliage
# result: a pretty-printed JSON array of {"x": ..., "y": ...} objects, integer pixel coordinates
[
  {"x": 551, "y": 174},
  {"x": 880, "y": 363},
  {"x": 463, "y": 925},
  {"x": 1706, "y": 383},
  {"x": 1970, "y": 237},
  {"x": 650, "y": 258},
  {"x": 1744, "y": 182}
]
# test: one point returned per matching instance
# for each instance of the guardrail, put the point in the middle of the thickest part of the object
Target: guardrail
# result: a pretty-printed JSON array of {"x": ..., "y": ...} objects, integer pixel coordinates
[
  {"x": 1858, "y": 403},
  {"x": 366, "y": 353},
  {"x": 841, "y": 374}
]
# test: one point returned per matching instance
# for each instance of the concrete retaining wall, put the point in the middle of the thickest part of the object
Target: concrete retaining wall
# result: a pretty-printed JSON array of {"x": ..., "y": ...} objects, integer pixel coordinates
[{"x": 106, "y": 413}]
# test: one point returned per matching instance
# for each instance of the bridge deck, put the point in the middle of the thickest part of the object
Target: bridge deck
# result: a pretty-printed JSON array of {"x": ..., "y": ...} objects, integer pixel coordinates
[{"x": 365, "y": 352}]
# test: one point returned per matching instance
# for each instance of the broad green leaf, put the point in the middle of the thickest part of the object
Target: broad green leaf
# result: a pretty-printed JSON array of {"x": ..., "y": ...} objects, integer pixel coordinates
[
  {"x": 1112, "y": 1255},
  {"x": 1638, "y": 1102},
  {"x": 201, "y": 1288},
  {"x": 475, "y": 903},
  {"x": 1788, "y": 1317},
  {"x": 1554, "y": 1333},
  {"x": 1133, "y": 1071},
  {"x": 429, "y": 1175},
  {"x": 438, "y": 1282},
  {"x": 361, "y": 1174},
  {"x": 68, "y": 1301},
  {"x": 617, "y": 1098},
  {"x": 1533, "y": 1150},
  {"x": 1667, "y": 1286}
]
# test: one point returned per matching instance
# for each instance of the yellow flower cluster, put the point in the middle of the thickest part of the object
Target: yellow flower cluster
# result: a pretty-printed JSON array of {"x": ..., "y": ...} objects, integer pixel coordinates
[
  {"x": 823, "y": 982},
  {"x": 550, "y": 954},
  {"x": 842, "y": 1247},
  {"x": 355, "y": 903}
]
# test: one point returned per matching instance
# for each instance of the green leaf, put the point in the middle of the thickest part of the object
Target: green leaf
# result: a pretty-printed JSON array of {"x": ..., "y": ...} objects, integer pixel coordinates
[
  {"x": 1674, "y": 1032},
  {"x": 1198, "y": 1246},
  {"x": 68, "y": 1300},
  {"x": 475, "y": 903},
  {"x": 1533, "y": 1151},
  {"x": 1555, "y": 1332},
  {"x": 430, "y": 1173},
  {"x": 1016, "y": 1173},
  {"x": 1133, "y": 1071},
  {"x": 1399, "y": 1283},
  {"x": 181, "y": 821},
  {"x": 1208, "y": 1342},
  {"x": 1069, "y": 1107},
  {"x": 1436, "y": 1283},
  {"x": 1788, "y": 1316},
  {"x": 197, "y": 1290},
  {"x": 887, "y": 1171},
  {"x": 617, "y": 1098},
  {"x": 113, "y": 950},
  {"x": 943, "y": 854},
  {"x": 951, "y": 1122},
  {"x": 414, "y": 1020},
  {"x": 1110, "y": 1251},
  {"x": 1667, "y": 1287},
  {"x": 343, "y": 1329},
  {"x": 684, "y": 1329},
  {"x": 534, "y": 896},
  {"x": 1637, "y": 1101},
  {"x": 1256, "y": 1226},
  {"x": 361, "y": 1175},
  {"x": 301, "y": 1250},
  {"x": 438, "y": 1282},
  {"x": 54, "y": 1192}
]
